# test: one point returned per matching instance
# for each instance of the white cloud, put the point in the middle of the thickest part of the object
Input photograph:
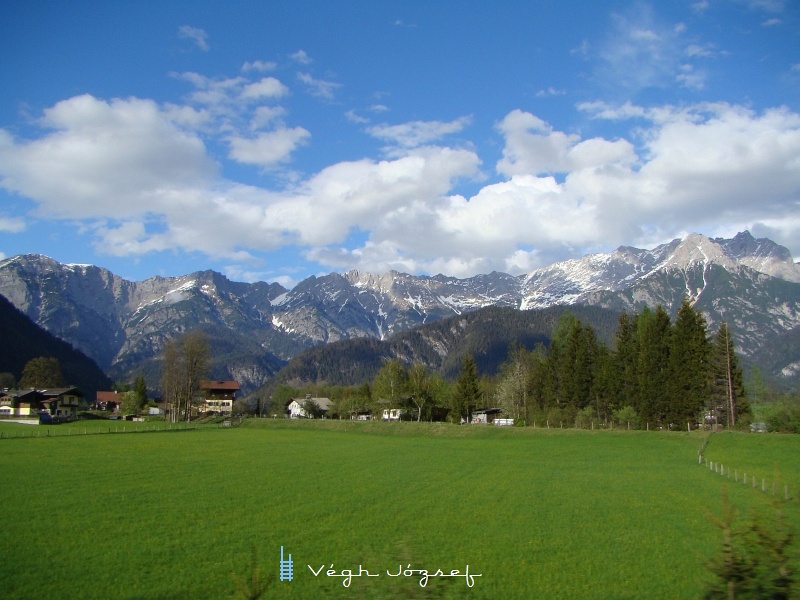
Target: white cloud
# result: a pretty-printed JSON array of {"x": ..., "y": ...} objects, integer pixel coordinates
[
  {"x": 268, "y": 87},
  {"x": 268, "y": 148},
  {"x": 104, "y": 159},
  {"x": 319, "y": 87},
  {"x": 641, "y": 51},
  {"x": 138, "y": 177},
  {"x": 418, "y": 133},
  {"x": 301, "y": 57},
  {"x": 352, "y": 116},
  {"x": 264, "y": 115},
  {"x": 549, "y": 92},
  {"x": 195, "y": 34},
  {"x": 698, "y": 167},
  {"x": 533, "y": 147},
  {"x": 12, "y": 224},
  {"x": 259, "y": 65}
]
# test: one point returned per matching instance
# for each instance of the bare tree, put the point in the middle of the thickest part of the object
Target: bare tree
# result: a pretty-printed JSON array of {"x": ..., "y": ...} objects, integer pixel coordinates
[{"x": 186, "y": 363}]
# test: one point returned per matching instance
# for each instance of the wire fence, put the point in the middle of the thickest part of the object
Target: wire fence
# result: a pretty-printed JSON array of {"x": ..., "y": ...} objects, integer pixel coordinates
[
  {"x": 77, "y": 429},
  {"x": 774, "y": 486}
]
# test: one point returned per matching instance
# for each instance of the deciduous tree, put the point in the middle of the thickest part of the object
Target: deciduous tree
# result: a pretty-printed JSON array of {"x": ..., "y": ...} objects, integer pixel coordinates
[{"x": 43, "y": 372}]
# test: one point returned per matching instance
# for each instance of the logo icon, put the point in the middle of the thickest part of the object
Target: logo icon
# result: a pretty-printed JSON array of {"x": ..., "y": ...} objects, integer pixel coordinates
[{"x": 287, "y": 569}]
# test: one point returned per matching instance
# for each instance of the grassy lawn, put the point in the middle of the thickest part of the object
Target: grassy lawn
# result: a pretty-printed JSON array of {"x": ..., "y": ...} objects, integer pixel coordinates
[{"x": 537, "y": 513}]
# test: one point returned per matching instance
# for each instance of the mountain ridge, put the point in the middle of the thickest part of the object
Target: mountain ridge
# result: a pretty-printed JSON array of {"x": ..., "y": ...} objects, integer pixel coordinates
[{"x": 752, "y": 283}]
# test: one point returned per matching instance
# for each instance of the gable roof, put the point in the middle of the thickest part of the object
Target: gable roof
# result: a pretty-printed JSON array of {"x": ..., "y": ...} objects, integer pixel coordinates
[
  {"x": 108, "y": 397},
  {"x": 227, "y": 385},
  {"x": 56, "y": 392},
  {"x": 323, "y": 403}
]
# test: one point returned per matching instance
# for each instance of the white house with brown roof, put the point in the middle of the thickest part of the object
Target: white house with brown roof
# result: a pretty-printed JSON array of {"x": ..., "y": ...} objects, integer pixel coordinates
[{"x": 219, "y": 396}]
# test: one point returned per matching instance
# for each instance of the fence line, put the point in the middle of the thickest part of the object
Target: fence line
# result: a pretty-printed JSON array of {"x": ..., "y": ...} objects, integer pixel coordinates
[
  {"x": 59, "y": 430},
  {"x": 723, "y": 471}
]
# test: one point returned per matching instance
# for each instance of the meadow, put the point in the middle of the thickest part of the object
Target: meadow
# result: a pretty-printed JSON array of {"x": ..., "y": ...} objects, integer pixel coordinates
[{"x": 535, "y": 513}]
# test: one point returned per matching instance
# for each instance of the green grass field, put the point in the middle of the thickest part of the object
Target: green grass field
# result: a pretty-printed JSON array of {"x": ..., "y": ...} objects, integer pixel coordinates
[{"x": 537, "y": 513}]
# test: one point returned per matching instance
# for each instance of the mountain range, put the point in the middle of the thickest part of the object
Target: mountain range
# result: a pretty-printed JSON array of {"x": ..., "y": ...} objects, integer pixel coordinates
[{"x": 255, "y": 328}]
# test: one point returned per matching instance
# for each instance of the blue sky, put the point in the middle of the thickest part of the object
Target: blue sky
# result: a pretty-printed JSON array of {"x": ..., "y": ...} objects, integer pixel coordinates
[{"x": 276, "y": 140}]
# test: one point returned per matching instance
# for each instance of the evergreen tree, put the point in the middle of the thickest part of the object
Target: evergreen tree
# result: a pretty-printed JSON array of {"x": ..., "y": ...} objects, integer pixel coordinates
[
  {"x": 652, "y": 359},
  {"x": 605, "y": 397},
  {"x": 625, "y": 386},
  {"x": 688, "y": 366},
  {"x": 467, "y": 393},
  {"x": 140, "y": 387},
  {"x": 728, "y": 398},
  {"x": 573, "y": 358},
  {"x": 541, "y": 383}
]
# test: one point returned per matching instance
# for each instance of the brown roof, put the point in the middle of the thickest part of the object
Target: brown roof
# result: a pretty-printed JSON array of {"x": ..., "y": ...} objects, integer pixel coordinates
[
  {"x": 230, "y": 386},
  {"x": 108, "y": 397}
]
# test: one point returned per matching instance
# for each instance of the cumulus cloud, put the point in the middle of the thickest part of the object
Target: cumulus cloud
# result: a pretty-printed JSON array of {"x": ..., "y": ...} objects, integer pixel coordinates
[
  {"x": 268, "y": 87},
  {"x": 533, "y": 147},
  {"x": 140, "y": 178},
  {"x": 104, "y": 158},
  {"x": 267, "y": 149}
]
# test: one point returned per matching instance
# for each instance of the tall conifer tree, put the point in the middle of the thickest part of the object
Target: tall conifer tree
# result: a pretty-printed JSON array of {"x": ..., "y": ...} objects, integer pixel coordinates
[
  {"x": 652, "y": 359},
  {"x": 728, "y": 399},
  {"x": 688, "y": 366}
]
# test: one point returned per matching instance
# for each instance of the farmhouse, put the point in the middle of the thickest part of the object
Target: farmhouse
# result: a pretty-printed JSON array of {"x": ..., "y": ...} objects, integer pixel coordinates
[
  {"x": 298, "y": 407},
  {"x": 19, "y": 403},
  {"x": 108, "y": 401},
  {"x": 57, "y": 402},
  {"x": 219, "y": 396}
]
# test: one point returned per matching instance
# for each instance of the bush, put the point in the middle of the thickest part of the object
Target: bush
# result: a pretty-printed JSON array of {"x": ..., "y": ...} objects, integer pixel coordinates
[
  {"x": 783, "y": 416},
  {"x": 626, "y": 416}
]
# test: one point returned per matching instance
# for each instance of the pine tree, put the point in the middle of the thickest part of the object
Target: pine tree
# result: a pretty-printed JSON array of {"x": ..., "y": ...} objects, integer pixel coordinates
[
  {"x": 467, "y": 394},
  {"x": 652, "y": 358},
  {"x": 727, "y": 381},
  {"x": 688, "y": 366},
  {"x": 625, "y": 386}
]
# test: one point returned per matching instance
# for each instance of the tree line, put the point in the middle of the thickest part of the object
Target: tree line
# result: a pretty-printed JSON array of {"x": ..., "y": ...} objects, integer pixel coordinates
[{"x": 657, "y": 373}]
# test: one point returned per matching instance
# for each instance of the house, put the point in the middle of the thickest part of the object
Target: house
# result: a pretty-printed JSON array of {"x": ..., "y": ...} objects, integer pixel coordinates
[
  {"x": 109, "y": 401},
  {"x": 297, "y": 407},
  {"x": 393, "y": 414},
  {"x": 486, "y": 415},
  {"x": 63, "y": 402},
  {"x": 219, "y": 396},
  {"x": 20, "y": 403}
]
